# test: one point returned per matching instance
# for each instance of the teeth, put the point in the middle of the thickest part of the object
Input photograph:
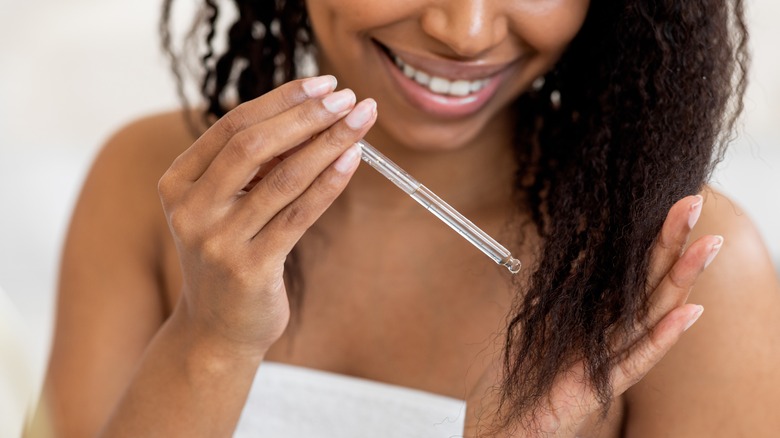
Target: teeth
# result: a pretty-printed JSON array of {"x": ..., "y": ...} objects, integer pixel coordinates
[
  {"x": 421, "y": 77},
  {"x": 460, "y": 88},
  {"x": 408, "y": 71},
  {"x": 440, "y": 85}
]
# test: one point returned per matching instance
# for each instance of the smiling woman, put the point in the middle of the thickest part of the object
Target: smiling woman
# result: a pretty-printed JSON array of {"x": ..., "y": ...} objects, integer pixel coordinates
[
  {"x": 266, "y": 293},
  {"x": 506, "y": 45}
]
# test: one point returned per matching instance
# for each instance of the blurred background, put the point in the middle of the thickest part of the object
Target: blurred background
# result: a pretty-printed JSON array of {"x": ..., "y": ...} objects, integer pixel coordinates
[{"x": 73, "y": 72}]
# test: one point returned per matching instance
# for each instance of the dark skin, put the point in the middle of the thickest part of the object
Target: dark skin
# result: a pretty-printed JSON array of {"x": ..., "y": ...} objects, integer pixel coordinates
[
  {"x": 165, "y": 312},
  {"x": 129, "y": 375}
]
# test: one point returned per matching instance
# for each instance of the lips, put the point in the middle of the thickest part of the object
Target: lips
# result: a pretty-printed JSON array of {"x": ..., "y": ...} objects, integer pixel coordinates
[
  {"x": 443, "y": 87},
  {"x": 439, "y": 85}
]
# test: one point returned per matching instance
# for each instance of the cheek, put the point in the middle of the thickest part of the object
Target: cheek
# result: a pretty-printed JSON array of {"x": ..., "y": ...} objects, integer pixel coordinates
[
  {"x": 548, "y": 26},
  {"x": 341, "y": 18}
]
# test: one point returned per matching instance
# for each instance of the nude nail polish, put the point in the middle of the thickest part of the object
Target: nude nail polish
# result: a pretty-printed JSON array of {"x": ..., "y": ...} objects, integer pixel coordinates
[
  {"x": 695, "y": 212},
  {"x": 319, "y": 86},
  {"x": 339, "y": 101},
  {"x": 694, "y": 317},
  {"x": 361, "y": 114},
  {"x": 348, "y": 160},
  {"x": 714, "y": 249}
]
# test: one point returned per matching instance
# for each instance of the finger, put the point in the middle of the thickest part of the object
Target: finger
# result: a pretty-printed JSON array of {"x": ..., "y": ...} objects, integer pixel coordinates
[
  {"x": 240, "y": 159},
  {"x": 283, "y": 232},
  {"x": 653, "y": 347},
  {"x": 193, "y": 162},
  {"x": 673, "y": 237},
  {"x": 678, "y": 282},
  {"x": 266, "y": 167},
  {"x": 291, "y": 178}
]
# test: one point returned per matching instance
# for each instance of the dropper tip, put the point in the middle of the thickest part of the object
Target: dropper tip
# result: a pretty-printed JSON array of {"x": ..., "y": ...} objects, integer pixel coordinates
[{"x": 513, "y": 265}]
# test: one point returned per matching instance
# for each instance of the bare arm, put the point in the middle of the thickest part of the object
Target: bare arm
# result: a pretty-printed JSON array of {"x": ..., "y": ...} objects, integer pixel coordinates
[
  {"x": 111, "y": 309},
  {"x": 120, "y": 365},
  {"x": 109, "y": 302}
]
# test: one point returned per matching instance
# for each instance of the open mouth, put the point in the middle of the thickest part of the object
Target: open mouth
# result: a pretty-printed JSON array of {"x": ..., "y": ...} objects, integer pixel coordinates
[{"x": 436, "y": 84}]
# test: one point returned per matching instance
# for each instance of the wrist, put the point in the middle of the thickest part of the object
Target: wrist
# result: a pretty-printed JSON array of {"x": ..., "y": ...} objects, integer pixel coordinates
[{"x": 207, "y": 346}]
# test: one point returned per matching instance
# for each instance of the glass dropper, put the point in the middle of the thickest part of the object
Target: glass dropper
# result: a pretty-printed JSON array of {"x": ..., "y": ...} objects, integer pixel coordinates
[{"x": 439, "y": 208}]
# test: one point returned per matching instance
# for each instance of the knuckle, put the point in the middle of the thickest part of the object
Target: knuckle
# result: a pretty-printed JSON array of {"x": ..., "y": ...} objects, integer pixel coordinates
[
  {"x": 166, "y": 186},
  {"x": 665, "y": 244},
  {"x": 631, "y": 371},
  {"x": 547, "y": 424},
  {"x": 297, "y": 215},
  {"x": 211, "y": 249},
  {"x": 329, "y": 185},
  {"x": 181, "y": 223},
  {"x": 676, "y": 279},
  {"x": 661, "y": 244},
  {"x": 640, "y": 361},
  {"x": 234, "y": 121},
  {"x": 283, "y": 181},
  {"x": 292, "y": 93},
  {"x": 184, "y": 220},
  {"x": 335, "y": 139},
  {"x": 245, "y": 145},
  {"x": 312, "y": 114}
]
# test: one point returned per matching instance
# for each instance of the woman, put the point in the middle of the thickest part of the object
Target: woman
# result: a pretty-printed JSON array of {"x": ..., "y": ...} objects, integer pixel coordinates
[{"x": 582, "y": 133}]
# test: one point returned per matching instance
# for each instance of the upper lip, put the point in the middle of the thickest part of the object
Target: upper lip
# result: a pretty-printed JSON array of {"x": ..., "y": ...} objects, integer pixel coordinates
[{"x": 450, "y": 69}]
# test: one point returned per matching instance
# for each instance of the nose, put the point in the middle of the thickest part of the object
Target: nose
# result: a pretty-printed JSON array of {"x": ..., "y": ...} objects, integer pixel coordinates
[{"x": 468, "y": 27}]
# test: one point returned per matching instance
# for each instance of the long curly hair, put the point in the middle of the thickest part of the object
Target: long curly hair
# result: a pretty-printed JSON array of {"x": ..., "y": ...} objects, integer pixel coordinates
[{"x": 645, "y": 100}]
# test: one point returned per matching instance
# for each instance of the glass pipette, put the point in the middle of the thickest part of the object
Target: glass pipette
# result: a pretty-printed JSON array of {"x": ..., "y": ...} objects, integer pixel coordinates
[{"x": 439, "y": 208}]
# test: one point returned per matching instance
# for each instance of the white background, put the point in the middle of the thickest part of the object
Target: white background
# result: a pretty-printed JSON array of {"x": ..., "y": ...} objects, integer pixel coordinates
[{"x": 73, "y": 72}]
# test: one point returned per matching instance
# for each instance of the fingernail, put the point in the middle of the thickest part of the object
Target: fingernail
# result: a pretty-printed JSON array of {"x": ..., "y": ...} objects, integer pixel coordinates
[
  {"x": 695, "y": 212},
  {"x": 348, "y": 160},
  {"x": 319, "y": 86},
  {"x": 714, "y": 249},
  {"x": 361, "y": 114},
  {"x": 339, "y": 101},
  {"x": 696, "y": 314}
]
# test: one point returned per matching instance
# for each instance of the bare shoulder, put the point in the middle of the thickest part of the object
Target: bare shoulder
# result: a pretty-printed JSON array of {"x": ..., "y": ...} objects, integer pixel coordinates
[
  {"x": 149, "y": 145},
  {"x": 743, "y": 272},
  {"x": 722, "y": 378},
  {"x": 109, "y": 300},
  {"x": 124, "y": 176},
  {"x": 119, "y": 195}
]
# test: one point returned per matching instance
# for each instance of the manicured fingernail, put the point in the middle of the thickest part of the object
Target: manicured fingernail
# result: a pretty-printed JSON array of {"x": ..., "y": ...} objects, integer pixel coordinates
[
  {"x": 339, "y": 101},
  {"x": 695, "y": 212},
  {"x": 361, "y": 114},
  {"x": 695, "y": 316},
  {"x": 714, "y": 251},
  {"x": 348, "y": 160},
  {"x": 319, "y": 86}
]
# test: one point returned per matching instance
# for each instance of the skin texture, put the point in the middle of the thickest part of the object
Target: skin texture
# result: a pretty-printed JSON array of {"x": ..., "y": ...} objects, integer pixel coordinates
[{"x": 157, "y": 330}]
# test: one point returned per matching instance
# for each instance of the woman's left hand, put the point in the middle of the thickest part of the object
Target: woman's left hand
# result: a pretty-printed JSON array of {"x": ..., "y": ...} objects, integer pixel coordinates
[{"x": 673, "y": 272}]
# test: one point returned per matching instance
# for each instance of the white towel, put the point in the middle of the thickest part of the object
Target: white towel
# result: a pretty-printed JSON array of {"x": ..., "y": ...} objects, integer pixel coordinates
[{"x": 289, "y": 402}]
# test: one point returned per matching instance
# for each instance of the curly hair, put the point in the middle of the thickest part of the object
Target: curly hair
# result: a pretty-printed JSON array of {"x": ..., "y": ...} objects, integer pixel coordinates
[{"x": 646, "y": 99}]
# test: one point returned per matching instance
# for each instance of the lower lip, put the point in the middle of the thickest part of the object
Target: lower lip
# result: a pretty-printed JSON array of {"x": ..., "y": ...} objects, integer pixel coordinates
[{"x": 438, "y": 104}]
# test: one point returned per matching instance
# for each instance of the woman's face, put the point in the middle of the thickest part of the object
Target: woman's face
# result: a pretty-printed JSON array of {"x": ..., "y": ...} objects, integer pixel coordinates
[{"x": 441, "y": 70}]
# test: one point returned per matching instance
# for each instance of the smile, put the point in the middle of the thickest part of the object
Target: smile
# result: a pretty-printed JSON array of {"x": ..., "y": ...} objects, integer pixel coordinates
[
  {"x": 444, "y": 87},
  {"x": 439, "y": 85}
]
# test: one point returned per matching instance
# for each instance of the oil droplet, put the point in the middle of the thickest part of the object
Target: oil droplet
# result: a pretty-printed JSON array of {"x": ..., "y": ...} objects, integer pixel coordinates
[{"x": 513, "y": 265}]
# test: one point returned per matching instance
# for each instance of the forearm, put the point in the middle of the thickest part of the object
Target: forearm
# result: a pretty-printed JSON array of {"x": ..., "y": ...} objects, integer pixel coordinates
[{"x": 184, "y": 386}]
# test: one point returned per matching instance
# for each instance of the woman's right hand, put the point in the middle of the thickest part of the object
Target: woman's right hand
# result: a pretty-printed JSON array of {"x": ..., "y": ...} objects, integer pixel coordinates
[{"x": 232, "y": 243}]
